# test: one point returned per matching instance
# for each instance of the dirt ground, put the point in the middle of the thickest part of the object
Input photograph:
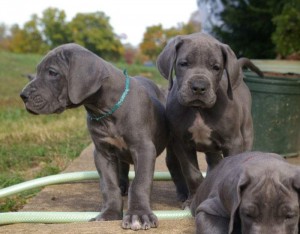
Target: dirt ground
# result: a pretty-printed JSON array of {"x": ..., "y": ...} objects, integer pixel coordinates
[{"x": 85, "y": 197}]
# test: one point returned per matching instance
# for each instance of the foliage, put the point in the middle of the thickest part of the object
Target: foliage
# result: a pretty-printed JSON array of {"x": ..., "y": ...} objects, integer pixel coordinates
[
  {"x": 91, "y": 30},
  {"x": 94, "y": 32},
  {"x": 54, "y": 27},
  {"x": 22, "y": 39},
  {"x": 130, "y": 54},
  {"x": 287, "y": 34},
  {"x": 153, "y": 41},
  {"x": 247, "y": 26},
  {"x": 156, "y": 37},
  {"x": 3, "y": 40}
]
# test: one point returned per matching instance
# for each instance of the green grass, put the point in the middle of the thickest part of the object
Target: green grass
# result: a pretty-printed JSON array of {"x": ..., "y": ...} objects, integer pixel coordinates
[
  {"x": 148, "y": 72},
  {"x": 35, "y": 146}
]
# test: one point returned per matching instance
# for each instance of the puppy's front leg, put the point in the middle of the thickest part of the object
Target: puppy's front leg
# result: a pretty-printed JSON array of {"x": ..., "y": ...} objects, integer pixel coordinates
[
  {"x": 107, "y": 168},
  {"x": 139, "y": 214},
  {"x": 212, "y": 159},
  {"x": 123, "y": 177}
]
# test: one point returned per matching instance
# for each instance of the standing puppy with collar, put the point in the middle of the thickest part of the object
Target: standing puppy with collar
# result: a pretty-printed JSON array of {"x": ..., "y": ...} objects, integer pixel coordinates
[
  {"x": 208, "y": 106},
  {"x": 126, "y": 120}
]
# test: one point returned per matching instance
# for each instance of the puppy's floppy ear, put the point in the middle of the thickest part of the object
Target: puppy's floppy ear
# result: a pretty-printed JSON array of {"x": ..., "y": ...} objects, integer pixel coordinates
[
  {"x": 243, "y": 181},
  {"x": 233, "y": 70},
  {"x": 86, "y": 73},
  {"x": 167, "y": 58},
  {"x": 296, "y": 180},
  {"x": 296, "y": 185}
]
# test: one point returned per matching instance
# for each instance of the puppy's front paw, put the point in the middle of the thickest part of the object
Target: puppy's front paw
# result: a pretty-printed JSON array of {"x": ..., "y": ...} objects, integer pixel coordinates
[
  {"x": 136, "y": 222},
  {"x": 187, "y": 204}
]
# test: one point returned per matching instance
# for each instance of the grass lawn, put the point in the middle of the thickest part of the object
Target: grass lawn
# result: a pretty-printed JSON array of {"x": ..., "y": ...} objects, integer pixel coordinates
[{"x": 35, "y": 146}]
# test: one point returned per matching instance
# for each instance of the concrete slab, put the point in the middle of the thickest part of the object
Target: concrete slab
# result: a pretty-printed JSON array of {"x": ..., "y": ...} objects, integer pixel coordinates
[{"x": 86, "y": 197}]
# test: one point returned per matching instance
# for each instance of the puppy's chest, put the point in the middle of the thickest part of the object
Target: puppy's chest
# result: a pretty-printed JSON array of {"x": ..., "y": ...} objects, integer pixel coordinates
[
  {"x": 115, "y": 141},
  {"x": 203, "y": 135},
  {"x": 107, "y": 135}
]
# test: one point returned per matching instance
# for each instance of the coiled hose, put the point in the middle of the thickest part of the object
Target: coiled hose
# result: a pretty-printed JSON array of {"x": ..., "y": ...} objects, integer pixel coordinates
[
  {"x": 71, "y": 217},
  {"x": 66, "y": 178},
  {"x": 67, "y": 217}
]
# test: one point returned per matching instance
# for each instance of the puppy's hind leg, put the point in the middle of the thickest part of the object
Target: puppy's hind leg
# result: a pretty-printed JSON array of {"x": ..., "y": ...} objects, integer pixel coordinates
[
  {"x": 189, "y": 168},
  {"x": 177, "y": 175},
  {"x": 112, "y": 208},
  {"x": 123, "y": 177},
  {"x": 212, "y": 160}
]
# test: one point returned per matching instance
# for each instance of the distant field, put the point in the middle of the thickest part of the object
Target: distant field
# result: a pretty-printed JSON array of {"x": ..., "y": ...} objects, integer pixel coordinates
[{"x": 34, "y": 146}]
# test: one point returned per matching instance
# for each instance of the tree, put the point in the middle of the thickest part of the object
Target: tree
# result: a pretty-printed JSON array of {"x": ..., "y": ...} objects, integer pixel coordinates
[
  {"x": 94, "y": 32},
  {"x": 153, "y": 41},
  {"x": 130, "y": 53},
  {"x": 155, "y": 37},
  {"x": 247, "y": 26},
  {"x": 3, "y": 37},
  {"x": 287, "y": 34},
  {"x": 54, "y": 27},
  {"x": 28, "y": 39},
  {"x": 38, "y": 35},
  {"x": 194, "y": 24}
]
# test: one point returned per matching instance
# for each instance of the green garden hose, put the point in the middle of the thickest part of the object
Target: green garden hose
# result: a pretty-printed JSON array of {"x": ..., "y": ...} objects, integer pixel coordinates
[
  {"x": 66, "y": 178},
  {"x": 66, "y": 217},
  {"x": 71, "y": 217}
]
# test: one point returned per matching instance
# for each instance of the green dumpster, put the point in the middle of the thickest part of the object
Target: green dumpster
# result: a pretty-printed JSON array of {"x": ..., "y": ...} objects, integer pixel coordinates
[{"x": 276, "y": 113}]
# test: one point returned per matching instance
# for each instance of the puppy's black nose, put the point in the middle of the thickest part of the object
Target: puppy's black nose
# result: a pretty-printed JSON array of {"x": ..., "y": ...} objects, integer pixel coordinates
[
  {"x": 24, "y": 96},
  {"x": 199, "y": 87}
]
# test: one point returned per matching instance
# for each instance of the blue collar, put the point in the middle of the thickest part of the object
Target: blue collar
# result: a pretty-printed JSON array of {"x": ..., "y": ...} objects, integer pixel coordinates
[{"x": 117, "y": 105}]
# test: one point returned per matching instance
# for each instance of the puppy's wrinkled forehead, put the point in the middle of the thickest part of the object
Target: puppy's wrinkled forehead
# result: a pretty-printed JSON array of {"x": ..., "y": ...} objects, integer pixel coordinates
[
  {"x": 204, "y": 49},
  {"x": 51, "y": 60},
  {"x": 271, "y": 186},
  {"x": 47, "y": 61}
]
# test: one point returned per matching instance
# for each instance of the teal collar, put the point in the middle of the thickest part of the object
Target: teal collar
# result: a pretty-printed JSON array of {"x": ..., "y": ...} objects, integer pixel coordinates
[{"x": 117, "y": 105}]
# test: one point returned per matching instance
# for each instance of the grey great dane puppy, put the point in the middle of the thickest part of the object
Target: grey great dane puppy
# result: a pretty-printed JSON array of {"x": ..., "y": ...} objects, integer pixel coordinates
[
  {"x": 208, "y": 106},
  {"x": 126, "y": 120},
  {"x": 249, "y": 193}
]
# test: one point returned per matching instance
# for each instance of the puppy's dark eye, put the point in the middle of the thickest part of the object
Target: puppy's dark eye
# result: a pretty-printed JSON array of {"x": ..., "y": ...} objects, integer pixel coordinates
[
  {"x": 288, "y": 212},
  {"x": 216, "y": 67},
  {"x": 52, "y": 72},
  {"x": 183, "y": 64},
  {"x": 290, "y": 215},
  {"x": 250, "y": 212}
]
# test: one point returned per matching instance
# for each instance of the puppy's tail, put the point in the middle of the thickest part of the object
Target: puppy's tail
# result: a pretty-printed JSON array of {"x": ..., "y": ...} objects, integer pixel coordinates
[{"x": 245, "y": 62}]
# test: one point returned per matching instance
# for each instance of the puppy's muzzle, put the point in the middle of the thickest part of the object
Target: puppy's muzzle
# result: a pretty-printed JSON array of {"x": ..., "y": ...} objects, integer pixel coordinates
[
  {"x": 24, "y": 96},
  {"x": 199, "y": 87},
  {"x": 26, "y": 92}
]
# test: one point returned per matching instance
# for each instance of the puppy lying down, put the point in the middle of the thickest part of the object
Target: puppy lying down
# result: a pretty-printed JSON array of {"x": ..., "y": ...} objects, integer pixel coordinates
[{"x": 252, "y": 192}]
